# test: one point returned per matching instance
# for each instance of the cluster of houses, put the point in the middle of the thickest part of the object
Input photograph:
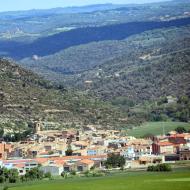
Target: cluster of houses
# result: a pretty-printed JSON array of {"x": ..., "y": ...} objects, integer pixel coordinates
[{"x": 80, "y": 150}]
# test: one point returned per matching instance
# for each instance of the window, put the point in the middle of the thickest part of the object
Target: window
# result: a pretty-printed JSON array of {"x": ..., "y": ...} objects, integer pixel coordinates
[
  {"x": 80, "y": 168},
  {"x": 66, "y": 169}
]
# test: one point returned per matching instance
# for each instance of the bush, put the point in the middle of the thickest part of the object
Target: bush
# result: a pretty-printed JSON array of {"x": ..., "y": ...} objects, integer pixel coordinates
[
  {"x": 34, "y": 173},
  {"x": 122, "y": 168},
  {"x": 47, "y": 175},
  {"x": 87, "y": 173},
  {"x": 150, "y": 168},
  {"x": 92, "y": 168},
  {"x": 23, "y": 179},
  {"x": 2, "y": 179},
  {"x": 5, "y": 188},
  {"x": 180, "y": 130},
  {"x": 12, "y": 180},
  {"x": 159, "y": 168},
  {"x": 98, "y": 174},
  {"x": 64, "y": 174},
  {"x": 73, "y": 172}
]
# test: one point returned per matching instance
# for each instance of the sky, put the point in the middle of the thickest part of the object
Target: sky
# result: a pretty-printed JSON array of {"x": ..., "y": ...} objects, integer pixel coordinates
[{"x": 13, "y": 5}]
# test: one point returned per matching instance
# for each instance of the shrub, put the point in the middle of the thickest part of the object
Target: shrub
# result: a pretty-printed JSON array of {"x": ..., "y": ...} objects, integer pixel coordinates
[
  {"x": 92, "y": 168},
  {"x": 73, "y": 172},
  {"x": 180, "y": 130},
  {"x": 2, "y": 179},
  {"x": 34, "y": 173},
  {"x": 12, "y": 179},
  {"x": 150, "y": 168},
  {"x": 122, "y": 168},
  {"x": 98, "y": 174},
  {"x": 23, "y": 179},
  {"x": 159, "y": 168},
  {"x": 5, "y": 188},
  {"x": 47, "y": 175},
  {"x": 64, "y": 175}
]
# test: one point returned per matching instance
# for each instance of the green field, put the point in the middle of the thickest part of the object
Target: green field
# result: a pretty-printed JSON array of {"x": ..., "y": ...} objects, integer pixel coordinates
[
  {"x": 125, "y": 181},
  {"x": 156, "y": 128}
]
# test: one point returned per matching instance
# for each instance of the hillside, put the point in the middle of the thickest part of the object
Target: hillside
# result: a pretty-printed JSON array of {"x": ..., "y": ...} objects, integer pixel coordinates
[
  {"x": 54, "y": 43},
  {"x": 142, "y": 67},
  {"x": 31, "y": 25},
  {"x": 156, "y": 128},
  {"x": 110, "y": 65},
  {"x": 25, "y": 97}
]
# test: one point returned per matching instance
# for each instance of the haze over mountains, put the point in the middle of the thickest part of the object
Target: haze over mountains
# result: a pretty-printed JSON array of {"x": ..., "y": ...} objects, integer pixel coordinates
[{"x": 135, "y": 53}]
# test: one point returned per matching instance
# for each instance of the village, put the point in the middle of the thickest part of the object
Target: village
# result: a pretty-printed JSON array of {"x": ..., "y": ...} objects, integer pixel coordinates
[{"x": 80, "y": 150}]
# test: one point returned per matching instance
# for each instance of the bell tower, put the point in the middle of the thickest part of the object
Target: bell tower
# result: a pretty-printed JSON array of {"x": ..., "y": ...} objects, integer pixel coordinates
[{"x": 38, "y": 126}]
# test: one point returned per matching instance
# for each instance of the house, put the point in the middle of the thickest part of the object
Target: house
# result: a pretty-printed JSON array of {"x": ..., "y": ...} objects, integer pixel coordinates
[
  {"x": 20, "y": 168},
  {"x": 80, "y": 152},
  {"x": 30, "y": 165},
  {"x": 169, "y": 145},
  {"x": 185, "y": 153},
  {"x": 84, "y": 165},
  {"x": 128, "y": 153},
  {"x": 151, "y": 159},
  {"x": 187, "y": 138},
  {"x": 163, "y": 148},
  {"x": 2, "y": 151},
  {"x": 81, "y": 144},
  {"x": 177, "y": 139},
  {"x": 55, "y": 170},
  {"x": 140, "y": 147},
  {"x": 72, "y": 163},
  {"x": 171, "y": 99},
  {"x": 96, "y": 150},
  {"x": 5, "y": 150},
  {"x": 21, "y": 165},
  {"x": 68, "y": 167}
]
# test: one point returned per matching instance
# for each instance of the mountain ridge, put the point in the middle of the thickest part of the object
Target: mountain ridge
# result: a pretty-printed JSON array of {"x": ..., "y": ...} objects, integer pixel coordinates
[{"x": 52, "y": 44}]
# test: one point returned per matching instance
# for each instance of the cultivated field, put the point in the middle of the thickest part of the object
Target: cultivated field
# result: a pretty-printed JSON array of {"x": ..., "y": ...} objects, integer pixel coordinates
[
  {"x": 156, "y": 128},
  {"x": 126, "y": 181}
]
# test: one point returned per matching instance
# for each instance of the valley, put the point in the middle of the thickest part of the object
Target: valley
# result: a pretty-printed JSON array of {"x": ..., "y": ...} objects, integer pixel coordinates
[
  {"x": 95, "y": 96},
  {"x": 127, "y": 64}
]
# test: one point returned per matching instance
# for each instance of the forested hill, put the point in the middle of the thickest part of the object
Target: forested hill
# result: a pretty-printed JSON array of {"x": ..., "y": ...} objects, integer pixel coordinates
[
  {"x": 145, "y": 66},
  {"x": 152, "y": 65},
  {"x": 26, "y": 97},
  {"x": 52, "y": 44}
]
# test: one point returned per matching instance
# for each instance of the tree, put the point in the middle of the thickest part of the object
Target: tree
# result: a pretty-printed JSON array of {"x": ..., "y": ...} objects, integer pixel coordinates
[
  {"x": 69, "y": 151},
  {"x": 1, "y": 133},
  {"x": 34, "y": 173},
  {"x": 11, "y": 175},
  {"x": 180, "y": 130},
  {"x": 115, "y": 161}
]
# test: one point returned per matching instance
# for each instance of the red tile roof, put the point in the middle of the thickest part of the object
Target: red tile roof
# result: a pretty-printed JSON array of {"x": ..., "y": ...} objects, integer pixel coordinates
[
  {"x": 17, "y": 161},
  {"x": 86, "y": 161},
  {"x": 177, "y": 136},
  {"x": 165, "y": 144},
  {"x": 19, "y": 165}
]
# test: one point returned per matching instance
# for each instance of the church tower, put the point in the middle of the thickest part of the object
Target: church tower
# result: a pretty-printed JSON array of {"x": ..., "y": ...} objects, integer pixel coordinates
[{"x": 38, "y": 126}]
